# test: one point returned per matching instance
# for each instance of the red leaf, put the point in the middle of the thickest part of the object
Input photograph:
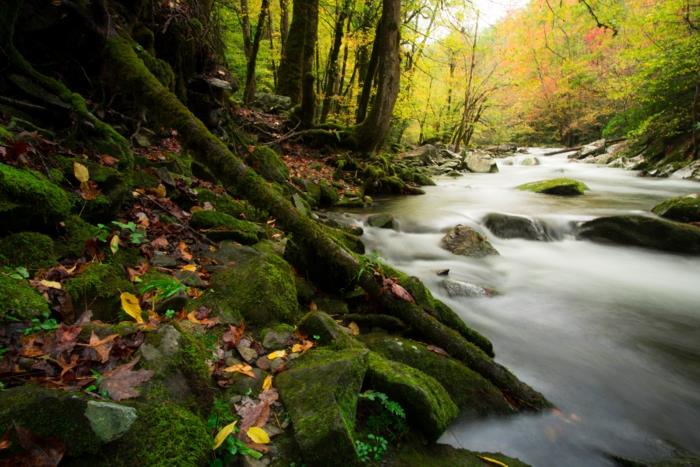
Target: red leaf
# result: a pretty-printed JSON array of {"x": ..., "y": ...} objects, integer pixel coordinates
[
  {"x": 233, "y": 336},
  {"x": 121, "y": 382}
]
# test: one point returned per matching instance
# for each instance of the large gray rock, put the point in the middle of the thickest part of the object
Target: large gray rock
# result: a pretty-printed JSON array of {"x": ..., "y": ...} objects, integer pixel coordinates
[
  {"x": 689, "y": 172},
  {"x": 509, "y": 226},
  {"x": 463, "y": 289},
  {"x": 480, "y": 163},
  {"x": 465, "y": 241},
  {"x": 110, "y": 421},
  {"x": 383, "y": 221},
  {"x": 645, "y": 232},
  {"x": 591, "y": 149}
]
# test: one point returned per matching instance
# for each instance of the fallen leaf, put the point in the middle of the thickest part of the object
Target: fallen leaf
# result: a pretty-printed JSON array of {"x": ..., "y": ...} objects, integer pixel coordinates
[
  {"x": 159, "y": 191},
  {"x": 223, "y": 434},
  {"x": 109, "y": 161},
  {"x": 277, "y": 354},
  {"x": 302, "y": 347},
  {"x": 130, "y": 304},
  {"x": 254, "y": 413},
  {"x": 189, "y": 267},
  {"x": 493, "y": 461},
  {"x": 233, "y": 336},
  {"x": 114, "y": 244},
  {"x": 354, "y": 328},
  {"x": 184, "y": 251},
  {"x": 121, "y": 383},
  {"x": 401, "y": 293},
  {"x": 160, "y": 243},
  {"x": 67, "y": 366},
  {"x": 267, "y": 383},
  {"x": 241, "y": 368},
  {"x": 102, "y": 347},
  {"x": 5, "y": 440},
  {"x": 43, "y": 452},
  {"x": 81, "y": 173},
  {"x": 51, "y": 284},
  {"x": 258, "y": 435},
  {"x": 437, "y": 350}
]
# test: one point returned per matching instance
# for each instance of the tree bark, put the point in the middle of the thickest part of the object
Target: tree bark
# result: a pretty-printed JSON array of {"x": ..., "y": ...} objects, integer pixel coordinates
[
  {"x": 284, "y": 23},
  {"x": 370, "y": 134},
  {"x": 331, "y": 85},
  {"x": 249, "y": 91}
]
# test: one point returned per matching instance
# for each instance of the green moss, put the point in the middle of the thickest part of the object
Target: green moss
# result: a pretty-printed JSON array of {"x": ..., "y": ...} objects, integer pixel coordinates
[
  {"x": 329, "y": 196},
  {"x": 49, "y": 413},
  {"x": 28, "y": 199},
  {"x": 428, "y": 405},
  {"x": 98, "y": 289},
  {"x": 191, "y": 360},
  {"x": 320, "y": 392},
  {"x": 469, "y": 390},
  {"x": 19, "y": 300},
  {"x": 261, "y": 289},
  {"x": 318, "y": 323},
  {"x": 77, "y": 232},
  {"x": 681, "y": 209},
  {"x": 164, "y": 435},
  {"x": 268, "y": 164},
  {"x": 228, "y": 205},
  {"x": 556, "y": 186},
  {"x": 160, "y": 68},
  {"x": 220, "y": 226},
  {"x": 345, "y": 239},
  {"x": 29, "y": 249}
]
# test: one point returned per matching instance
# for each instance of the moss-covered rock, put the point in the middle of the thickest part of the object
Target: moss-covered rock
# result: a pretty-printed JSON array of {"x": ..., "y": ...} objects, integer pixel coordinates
[
  {"x": 318, "y": 323},
  {"x": 328, "y": 195},
  {"x": 240, "y": 209},
  {"x": 465, "y": 241},
  {"x": 267, "y": 163},
  {"x": 165, "y": 435},
  {"x": 77, "y": 233},
  {"x": 320, "y": 392},
  {"x": 220, "y": 226},
  {"x": 556, "y": 186},
  {"x": 52, "y": 414},
  {"x": 645, "y": 232},
  {"x": 470, "y": 391},
  {"x": 261, "y": 289},
  {"x": 98, "y": 289},
  {"x": 19, "y": 300},
  {"x": 29, "y": 249},
  {"x": 29, "y": 200},
  {"x": 681, "y": 209},
  {"x": 428, "y": 406}
]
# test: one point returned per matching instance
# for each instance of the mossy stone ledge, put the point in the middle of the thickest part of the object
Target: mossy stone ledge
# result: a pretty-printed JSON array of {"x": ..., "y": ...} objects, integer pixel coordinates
[
  {"x": 221, "y": 226},
  {"x": 29, "y": 249},
  {"x": 98, "y": 289},
  {"x": 19, "y": 300},
  {"x": 680, "y": 209},
  {"x": 556, "y": 186}
]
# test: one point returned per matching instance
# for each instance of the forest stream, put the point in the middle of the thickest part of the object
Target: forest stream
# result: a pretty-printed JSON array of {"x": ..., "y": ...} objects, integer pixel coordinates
[{"x": 607, "y": 333}]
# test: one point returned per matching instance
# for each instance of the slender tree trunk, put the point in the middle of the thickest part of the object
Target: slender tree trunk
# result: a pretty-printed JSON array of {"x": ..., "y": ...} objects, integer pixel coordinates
[
  {"x": 367, "y": 81},
  {"x": 284, "y": 23},
  {"x": 270, "y": 33},
  {"x": 298, "y": 54},
  {"x": 331, "y": 88},
  {"x": 371, "y": 133},
  {"x": 468, "y": 94},
  {"x": 249, "y": 91},
  {"x": 245, "y": 27}
]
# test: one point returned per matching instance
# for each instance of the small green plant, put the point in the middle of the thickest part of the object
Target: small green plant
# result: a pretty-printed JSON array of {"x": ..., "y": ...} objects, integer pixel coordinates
[
  {"x": 44, "y": 323},
  {"x": 170, "y": 313},
  {"x": 372, "y": 448},
  {"x": 390, "y": 406},
  {"x": 164, "y": 288},
  {"x": 219, "y": 417},
  {"x": 20, "y": 273},
  {"x": 96, "y": 384},
  {"x": 136, "y": 236},
  {"x": 102, "y": 233}
]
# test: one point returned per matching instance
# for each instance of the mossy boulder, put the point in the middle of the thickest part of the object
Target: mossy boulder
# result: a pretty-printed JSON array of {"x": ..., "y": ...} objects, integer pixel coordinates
[
  {"x": 268, "y": 164},
  {"x": 19, "y": 300},
  {"x": 165, "y": 435},
  {"x": 510, "y": 226},
  {"x": 29, "y": 249},
  {"x": 428, "y": 405},
  {"x": 556, "y": 186},
  {"x": 77, "y": 233},
  {"x": 320, "y": 392},
  {"x": 645, "y": 232},
  {"x": 220, "y": 226},
  {"x": 29, "y": 200},
  {"x": 261, "y": 289},
  {"x": 328, "y": 196},
  {"x": 240, "y": 209},
  {"x": 465, "y": 241},
  {"x": 98, "y": 289},
  {"x": 318, "y": 323},
  {"x": 680, "y": 209},
  {"x": 383, "y": 221},
  {"x": 470, "y": 391},
  {"x": 50, "y": 413}
]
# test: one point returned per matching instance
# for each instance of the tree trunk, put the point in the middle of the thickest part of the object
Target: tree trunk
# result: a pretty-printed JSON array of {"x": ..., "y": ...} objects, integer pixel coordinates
[
  {"x": 298, "y": 53},
  {"x": 331, "y": 87},
  {"x": 284, "y": 23},
  {"x": 371, "y": 133},
  {"x": 249, "y": 91},
  {"x": 245, "y": 27},
  {"x": 367, "y": 82}
]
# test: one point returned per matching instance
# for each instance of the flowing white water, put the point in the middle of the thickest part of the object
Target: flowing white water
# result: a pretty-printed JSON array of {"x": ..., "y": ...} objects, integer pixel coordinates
[{"x": 609, "y": 334}]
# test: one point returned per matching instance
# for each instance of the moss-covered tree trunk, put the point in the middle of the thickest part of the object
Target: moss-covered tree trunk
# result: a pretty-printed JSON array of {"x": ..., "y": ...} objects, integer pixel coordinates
[
  {"x": 298, "y": 53},
  {"x": 249, "y": 91},
  {"x": 370, "y": 134},
  {"x": 332, "y": 78}
]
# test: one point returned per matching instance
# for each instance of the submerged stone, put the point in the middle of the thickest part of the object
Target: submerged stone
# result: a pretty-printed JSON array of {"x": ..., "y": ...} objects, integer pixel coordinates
[
  {"x": 383, "y": 221},
  {"x": 510, "y": 226},
  {"x": 465, "y": 241},
  {"x": 463, "y": 289},
  {"x": 556, "y": 186}
]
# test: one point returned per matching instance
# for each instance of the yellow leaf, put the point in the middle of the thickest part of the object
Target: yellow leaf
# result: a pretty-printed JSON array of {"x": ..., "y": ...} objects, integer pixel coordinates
[
  {"x": 130, "y": 304},
  {"x": 277, "y": 354},
  {"x": 354, "y": 328},
  {"x": 189, "y": 267},
  {"x": 493, "y": 461},
  {"x": 114, "y": 244},
  {"x": 302, "y": 347},
  {"x": 81, "y": 172},
  {"x": 223, "y": 434},
  {"x": 159, "y": 191},
  {"x": 50, "y": 284},
  {"x": 258, "y": 435},
  {"x": 267, "y": 384},
  {"x": 241, "y": 368},
  {"x": 192, "y": 318}
]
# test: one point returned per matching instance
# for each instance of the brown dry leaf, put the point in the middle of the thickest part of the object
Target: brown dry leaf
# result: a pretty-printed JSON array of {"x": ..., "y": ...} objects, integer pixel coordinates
[
  {"x": 89, "y": 190},
  {"x": 257, "y": 413},
  {"x": 184, "y": 251},
  {"x": 67, "y": 366},
  {"x": 437, "y": 350},
  {"x": 354, "y": 328},
  {"x": 121, "y": 383},
  {"x": 241, "y": 368},
  {"x": 5, "y": 440},
  {"x": 41, "y": 452},
  {"x": 313, "y": 306},
  {"x": 109, "y": 161},
  {"x": 31, "y": 348},
  {"x": 142, "y": 219},
  {"x": 233, "y": 336},
  {"x": 398, "y": 290},
  {"x": 302, "y": 346},
  {"x": 102, "y": 347},
  {"x": 66, "y": 337},
  {"x": 159, "y": 191},
  {"x": 160, "y": 243}
]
